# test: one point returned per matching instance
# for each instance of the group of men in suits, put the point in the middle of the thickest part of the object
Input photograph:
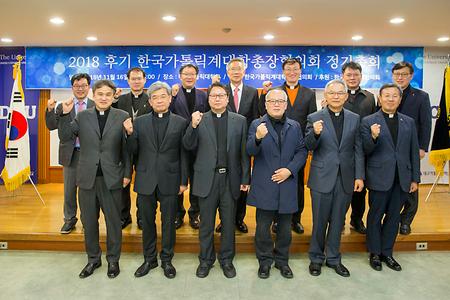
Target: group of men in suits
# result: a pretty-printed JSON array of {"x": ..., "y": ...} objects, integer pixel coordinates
[{"x": 177, "y": 136}]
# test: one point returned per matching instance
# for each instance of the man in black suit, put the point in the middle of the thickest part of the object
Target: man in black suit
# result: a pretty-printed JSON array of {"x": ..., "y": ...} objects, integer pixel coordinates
[
  {"x": 361, "y": 102},
  {"x": 222, "y": 171},
  {"x": 185, "y": 100},
  {"x": 242, "y": 99},
  {"x": 392, "y": 172},
  {"x": 301, "y": 103},
  {"x": 135, "y": 103},
  {"x": 415, "y": 104},
  {"x": 69, "y": 152},
  {"x": 103, "y": 170},
  {"x": 161, "y": 174}
]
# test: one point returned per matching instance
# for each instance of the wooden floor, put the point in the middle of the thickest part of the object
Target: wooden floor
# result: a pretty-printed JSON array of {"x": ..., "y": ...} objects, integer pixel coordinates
[{"x": 25, "y": 223}]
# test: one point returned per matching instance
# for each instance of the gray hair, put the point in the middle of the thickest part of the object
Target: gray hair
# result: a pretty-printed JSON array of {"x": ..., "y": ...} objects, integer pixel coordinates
[
  {"x": 336, "y": 81},
  {"x": 158, "y": 85},
  {"x": 285, "y": 97},
  {"x": 239, "y": 60}
]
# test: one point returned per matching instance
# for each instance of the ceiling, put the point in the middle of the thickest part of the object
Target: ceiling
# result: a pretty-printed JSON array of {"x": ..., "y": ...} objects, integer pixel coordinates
[{"x": 138, "y": 22}]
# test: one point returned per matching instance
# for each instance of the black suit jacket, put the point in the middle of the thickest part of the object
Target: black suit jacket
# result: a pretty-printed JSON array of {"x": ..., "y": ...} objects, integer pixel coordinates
[
  {"x": 417, "y": 106},
  {"x": 304, "y": 104},
  {"x": 125, "y": 103},
  {"x": 179, "y": 104},
  {"x": 65, "y": 150},
  {"x": 166, "y": 168},
  {"x": 203, "y": 140},
  {"x": 248, "y": 104}
]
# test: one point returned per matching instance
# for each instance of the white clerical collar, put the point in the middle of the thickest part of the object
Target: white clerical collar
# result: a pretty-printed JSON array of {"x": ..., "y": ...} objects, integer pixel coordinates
[
  {"x": 218, "y": 115},
  {"x": 101, "y": 112},
  {"x": 337, "y": 114},
  {"x": 391, "y": 116},
  {"x": 352, "y": 92},
  {"x": 136, "y": 96}
]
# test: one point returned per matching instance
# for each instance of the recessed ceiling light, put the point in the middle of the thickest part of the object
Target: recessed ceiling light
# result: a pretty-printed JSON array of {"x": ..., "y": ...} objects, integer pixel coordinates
[
  {"x": 357, "y": 37},
  {"x": 57, "y": 21},
  {"x": 169, "y": 18},
  {"x": 443, "y": 39},
  {"x": 269, "y": 37},
  {"x": 284, "y": 19},
  {"x": 91, "y": 38},
  {"x": 397, "y": 20},
  {"x": 179, "y": 38},
  {"x": 6, "y": 40}
]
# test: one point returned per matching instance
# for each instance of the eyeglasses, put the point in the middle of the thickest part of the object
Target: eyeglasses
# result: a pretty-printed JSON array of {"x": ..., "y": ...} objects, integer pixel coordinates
[
  {"x": 339, "y": 94},
  {"x": 189, "y": 74},
  {"x": 79, "y": 87},
  {"x": 397, "y": 75},
  {"x": 276, "y": 101},
  {"x": 218, "y": 96}
]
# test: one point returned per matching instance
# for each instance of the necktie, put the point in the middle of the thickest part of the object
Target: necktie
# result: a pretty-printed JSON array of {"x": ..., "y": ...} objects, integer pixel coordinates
[
  {"x": 80, "y": 108},
  {"x": 236, "y": 98}
]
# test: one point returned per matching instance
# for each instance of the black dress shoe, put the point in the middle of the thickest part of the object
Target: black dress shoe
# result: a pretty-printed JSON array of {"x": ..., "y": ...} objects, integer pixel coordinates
[
  {"x": 169, "y": 270},
  {"x": 405, "y": 229},
  {"x": 125, "y": 223},
  {"x": 194, "y": 222},
  {"x": 145, "y": 268},
  {"x": 391, "y": 263},
  {"x": 315, "y": 269},
  {"x": 113, "y": 269},
  {"x": 264, "y": 272},
  {"x": 178, "y": 222},
  {"x": 242, "y": 227},
  {"x": 203, "y": 270},
  {"x": 358, "y": 226},
  {"x": 285, "y": 271},
  {"x": 298, "y": 227},
  {"x": 228, "y": 270},
  {"x": 219, "y": 228},
  {"x": 340, "y": 269},
  {"x": 68, "y": 226},
  {"x": 89, "y": 269},
  {"x": 375, "y": 262},
  {"x": 274, "y": 227}
]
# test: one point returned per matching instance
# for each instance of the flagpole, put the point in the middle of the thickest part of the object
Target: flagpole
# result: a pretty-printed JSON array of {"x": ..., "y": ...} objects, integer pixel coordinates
[{"x": 35, "y": 188}]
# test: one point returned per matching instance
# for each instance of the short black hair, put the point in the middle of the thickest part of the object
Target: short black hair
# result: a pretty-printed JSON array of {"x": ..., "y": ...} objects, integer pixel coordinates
[
  {"x": 135, "y": 69},
  {"x": 80, "y": 76},
  {"x": 189, "y": 66},
  {"x": 391, "y": 85},
  {"x": 291, "y": 61},
  {"x": 351, "y": 65},
  {"x": 403, "y": 64},
  {"x": 101, "y": 83},
  {"x": 217, "y": 84}
]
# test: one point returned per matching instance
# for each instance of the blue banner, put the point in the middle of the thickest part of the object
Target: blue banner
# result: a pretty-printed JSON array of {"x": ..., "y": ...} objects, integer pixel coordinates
[
  {"x": 52, "y": 67},
  {"x": 8, "y": 56}
]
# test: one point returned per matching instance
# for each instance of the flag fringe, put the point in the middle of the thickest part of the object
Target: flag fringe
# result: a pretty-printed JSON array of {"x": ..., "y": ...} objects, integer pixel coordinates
[
  {"x": 14, "y": 182},
  {"x": 438, "y": 158}
]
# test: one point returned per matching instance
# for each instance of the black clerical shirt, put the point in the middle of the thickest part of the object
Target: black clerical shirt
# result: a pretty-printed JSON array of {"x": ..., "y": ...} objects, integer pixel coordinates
[
  {"x": 220, "y": 125},
  {"x": 338, "y": 123},
  {"x": 160, "y": 123},
  {"x": 190, "y": 98},
  {"x": 136, "y": 101},
  {"x": 392, "y": 124},
  {"x": 101, "y": 117}
]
